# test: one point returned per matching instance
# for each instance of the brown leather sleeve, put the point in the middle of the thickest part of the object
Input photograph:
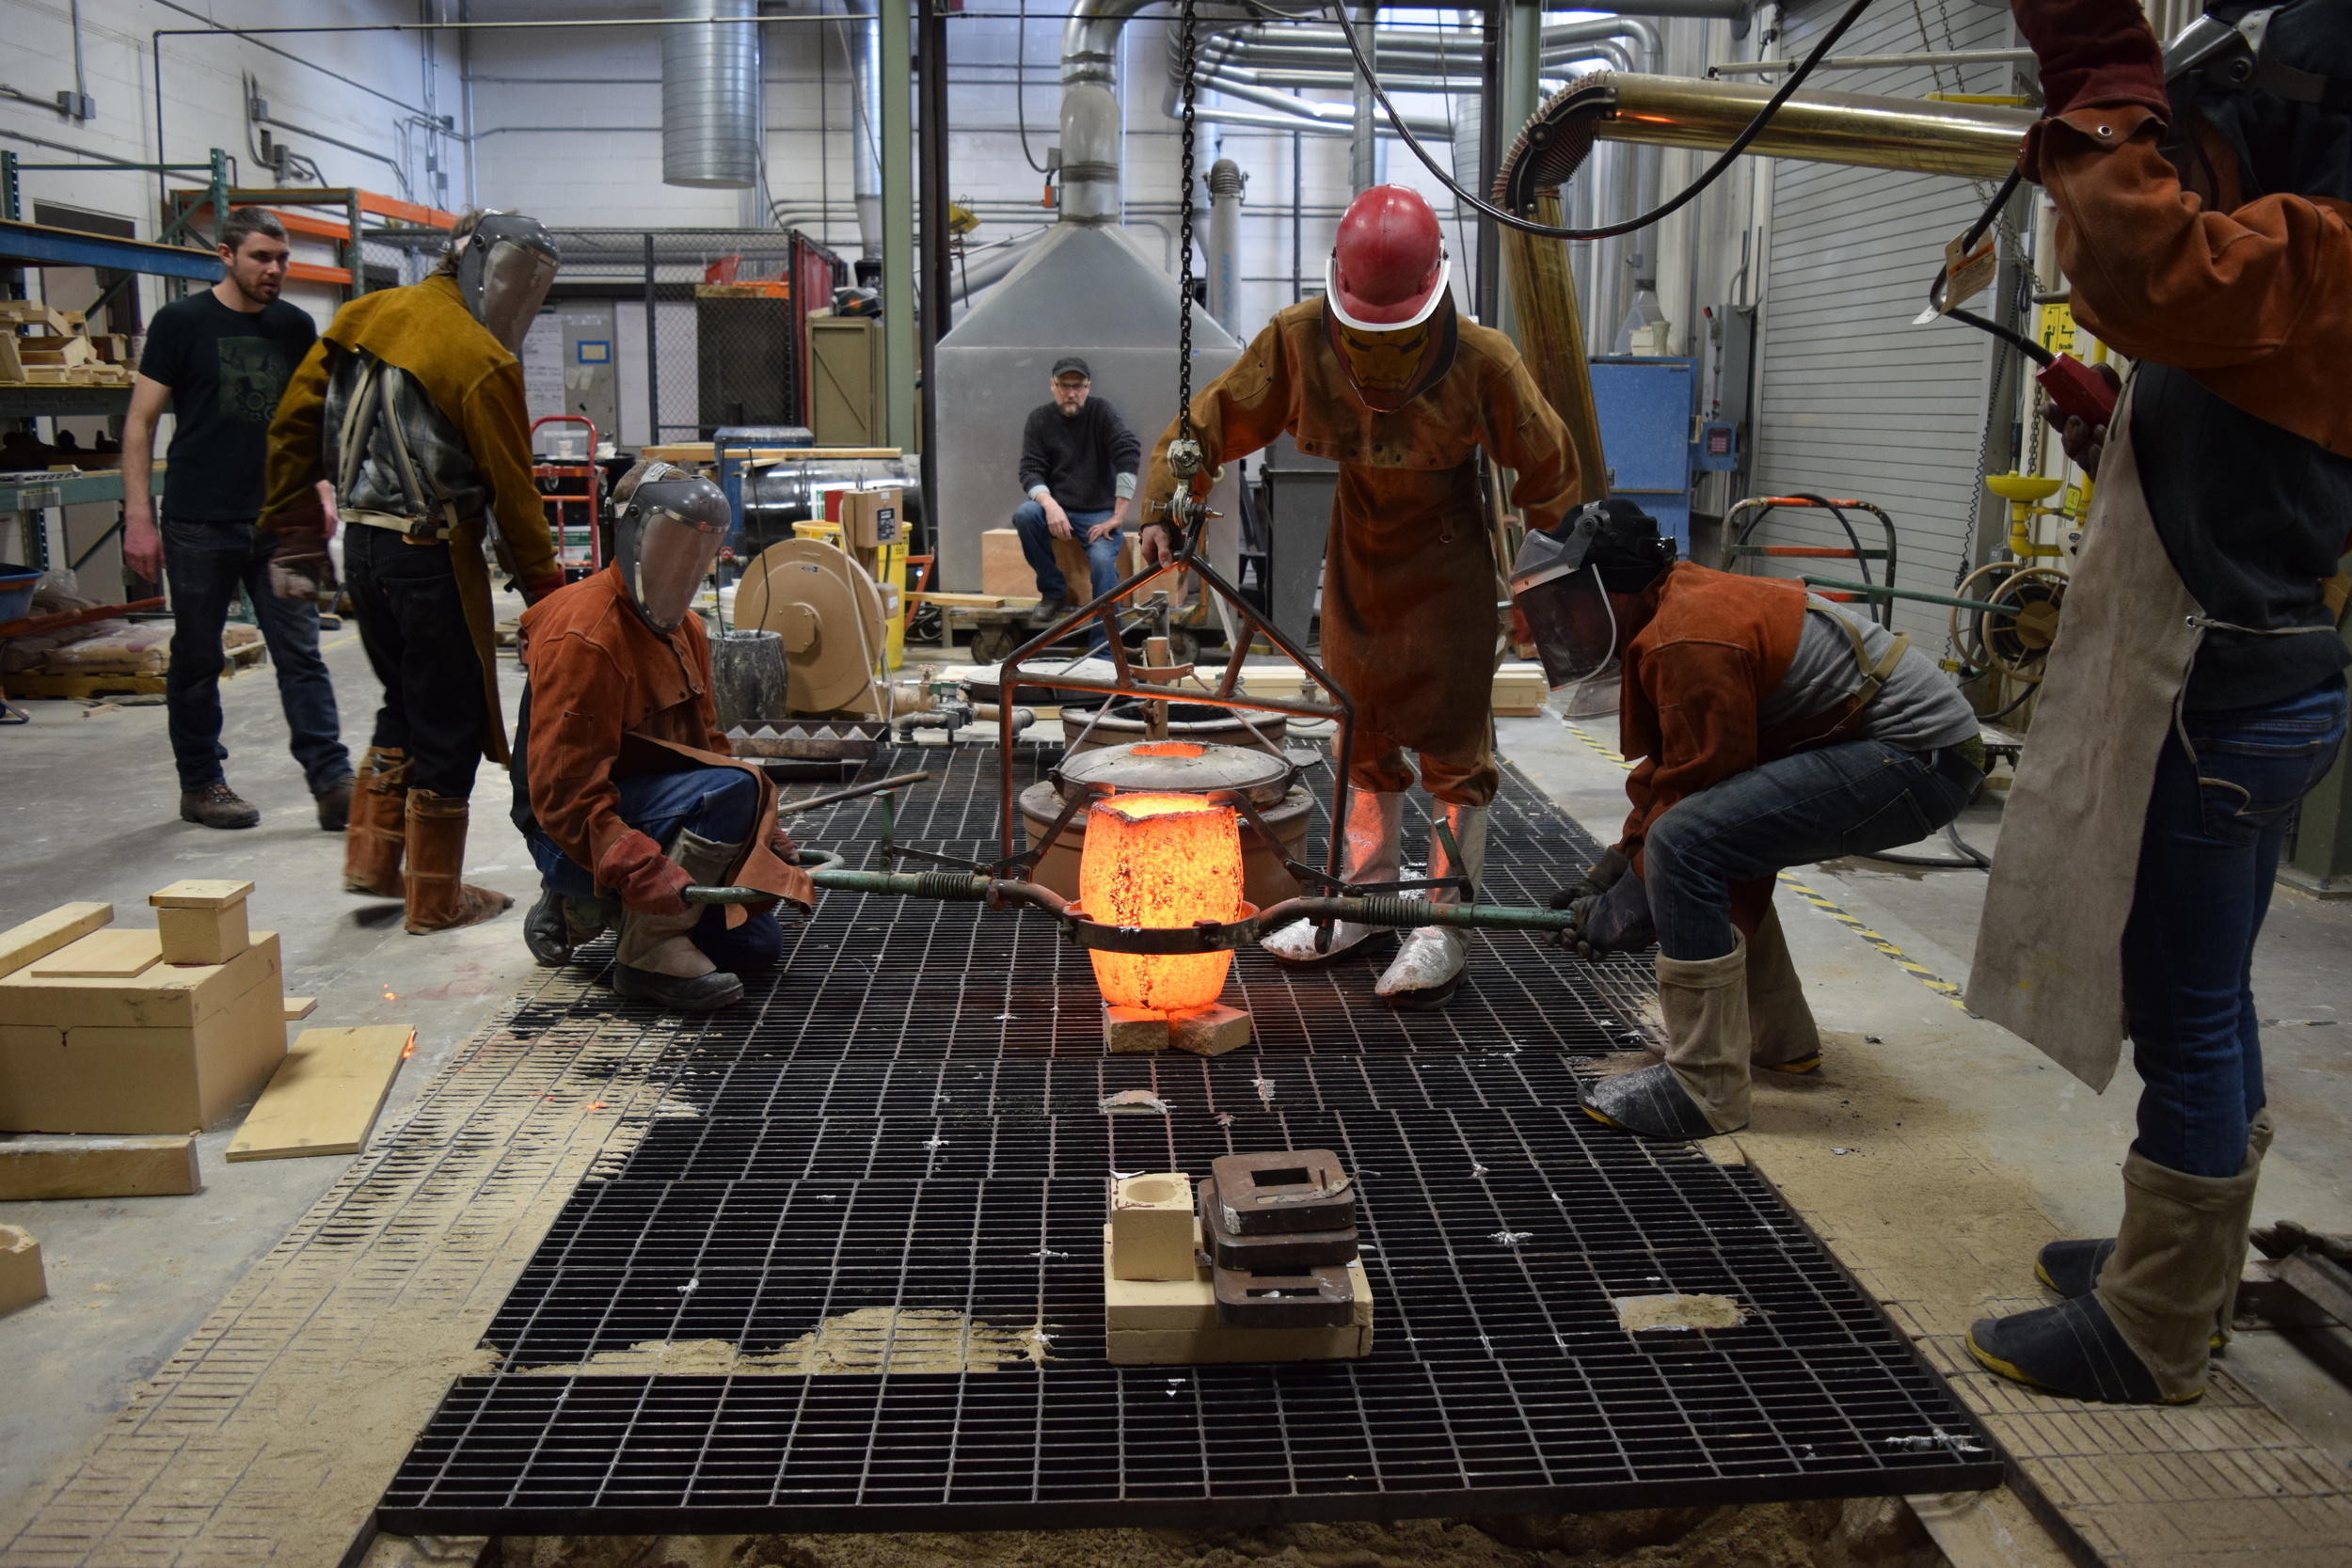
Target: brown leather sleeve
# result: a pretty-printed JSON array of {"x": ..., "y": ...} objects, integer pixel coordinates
[
  {"x": 2159, "y": 276},
  {"x": 1529, "y": 439},
  {"x": 577, "y": 696},
  {"x": 498, "y": 433},
  {"x": 297, "y": 461},
  {"x": 1237, "y": 414}
]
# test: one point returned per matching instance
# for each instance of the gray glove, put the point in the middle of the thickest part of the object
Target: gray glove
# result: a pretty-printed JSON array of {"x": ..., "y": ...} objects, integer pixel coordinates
[
  {"x": 1614, "y": 921},
  {"x": 1599, "y": 878}
]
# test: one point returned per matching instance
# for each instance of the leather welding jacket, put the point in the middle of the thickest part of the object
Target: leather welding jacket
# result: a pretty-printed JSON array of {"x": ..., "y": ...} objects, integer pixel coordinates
[
  {"x": 1408, "y": 588},
  {"x": 1696, "y": 678},
  {"x": 610, "y": 698},
  {"x": 459, "y": 394}
]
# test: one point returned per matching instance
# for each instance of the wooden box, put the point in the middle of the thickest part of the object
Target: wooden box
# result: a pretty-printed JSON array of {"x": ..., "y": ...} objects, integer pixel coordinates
[
  {"x": 201, "y": 922},
  {"x": 1004, "y": 570},
  {"x": 169, "y": 1051}
]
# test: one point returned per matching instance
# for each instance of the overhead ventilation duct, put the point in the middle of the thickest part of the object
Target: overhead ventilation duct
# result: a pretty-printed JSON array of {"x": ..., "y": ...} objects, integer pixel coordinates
[
  {"x": 866, "y": 124},
  {"x": 710, "y": 94}
]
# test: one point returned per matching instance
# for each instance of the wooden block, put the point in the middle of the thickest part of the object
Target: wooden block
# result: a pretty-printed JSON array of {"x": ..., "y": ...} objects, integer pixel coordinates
[
  {"x": 1004, "y": 570},
  {"x": 1173, "y": 1323},
  {"x": 166, "y": 996},
  {"x": 200, "y": 894},
  {"x": 1153, "y": 1235},
  {"x": 1209, "y": 1031},
  {"x": 44, "y": 934},
  {"x": 326, "y": 1095},
  {"x": 37, "y": 1168},
  {"x": 145, "y": 1056},
  {"x": 202, "y": 935},
  {"x": 1210, "y": 1347},
  {"x": 22, "y": 1282},
  {"x": 117, "y": 953},
  {"x": 1127, "y": 1031},
  {"x": 300, "y": 1008}
]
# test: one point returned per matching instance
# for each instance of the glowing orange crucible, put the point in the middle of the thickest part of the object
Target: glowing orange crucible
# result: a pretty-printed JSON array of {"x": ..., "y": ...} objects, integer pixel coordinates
[{"x": 1161, "y": 861}]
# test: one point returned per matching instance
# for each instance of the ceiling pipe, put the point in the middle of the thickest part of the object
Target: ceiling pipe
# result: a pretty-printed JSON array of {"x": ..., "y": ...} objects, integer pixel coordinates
[
  {"x": 1090, "y": 190},
  {"x": 866, "y": 124}
]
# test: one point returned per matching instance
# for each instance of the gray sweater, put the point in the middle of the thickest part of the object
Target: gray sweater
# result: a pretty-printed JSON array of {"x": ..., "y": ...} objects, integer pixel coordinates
[{"x": 1917, "y": 709}]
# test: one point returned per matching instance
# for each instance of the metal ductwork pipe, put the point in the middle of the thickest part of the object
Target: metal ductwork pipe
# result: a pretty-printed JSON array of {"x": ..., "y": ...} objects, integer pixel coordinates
[
  {"x": 710, "y": 94},
  {"x": 1226, "y": 183},
  {"x": 865, "y": 125},
  {"x": 1090, "y": 111}
]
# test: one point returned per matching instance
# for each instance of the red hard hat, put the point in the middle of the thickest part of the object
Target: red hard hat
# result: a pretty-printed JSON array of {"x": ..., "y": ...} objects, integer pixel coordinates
[{"x": 1390, "y": 259}]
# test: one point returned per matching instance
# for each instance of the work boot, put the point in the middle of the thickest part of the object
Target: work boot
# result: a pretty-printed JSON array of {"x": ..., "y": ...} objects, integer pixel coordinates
[
  {"x": 2144, "y": 1334},
  {"x": 334, "y": 804},
  {"x": 558, "y": 923},
  {"x": 1427, "y": 969},
  {"x": 216, "y": 805},
  {"x": 438, "y": 899},
  {"x": 376, "y": 832},
  {"x": 1371, "y": 852},
  {"x": 657, "y": 960},
  {"x": 2072, "y": 1267},
  {"x": 1701, "y": 1089},
  {"x": 1782, "y": 1034}
]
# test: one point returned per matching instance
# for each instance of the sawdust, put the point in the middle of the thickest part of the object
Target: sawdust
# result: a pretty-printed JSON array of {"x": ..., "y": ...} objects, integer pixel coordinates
[
  {"x": 871, "y": 1339},
  {"x": 1879, "y": 1533},
  {"x": 1636, "y": 1314}
]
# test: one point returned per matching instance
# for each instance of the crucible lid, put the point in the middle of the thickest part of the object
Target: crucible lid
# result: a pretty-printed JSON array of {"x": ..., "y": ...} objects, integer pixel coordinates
[{"x": 1185, "y": 765}]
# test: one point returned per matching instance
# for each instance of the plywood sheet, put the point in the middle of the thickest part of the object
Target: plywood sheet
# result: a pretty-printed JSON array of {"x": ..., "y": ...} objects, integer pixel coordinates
[
  {"x": 325, "y": 1096},
  {"x": 36, "y": 1167},
  {"x": 44, "y": 934},
  {"x": 116, "y": 953}
]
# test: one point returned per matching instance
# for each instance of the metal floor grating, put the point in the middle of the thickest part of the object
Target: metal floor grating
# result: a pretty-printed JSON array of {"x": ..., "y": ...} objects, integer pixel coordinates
[{"x": 909, "y": 1116}]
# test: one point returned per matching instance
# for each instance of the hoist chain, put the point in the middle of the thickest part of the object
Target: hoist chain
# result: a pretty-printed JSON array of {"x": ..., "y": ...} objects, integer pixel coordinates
[{"x": 1183, "y": 244}]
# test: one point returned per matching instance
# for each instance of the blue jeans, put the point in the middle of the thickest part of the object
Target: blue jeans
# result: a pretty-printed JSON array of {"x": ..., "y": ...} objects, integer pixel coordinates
[
  {"x": 2216, "y": 816},
  {"x": 717, "y": 803},
  {"x": 1854, "y": 798},
  {"x": 1037, "y": 543},
  {"x": 207, "y": 564}
]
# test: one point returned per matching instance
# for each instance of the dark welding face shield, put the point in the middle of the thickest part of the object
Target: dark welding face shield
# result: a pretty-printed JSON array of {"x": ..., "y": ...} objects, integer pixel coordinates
[
  {"x": 667, "y": 537},
  {"x": 1557, "y": 587},
  {"x": 505, "y": 266},
  {"x": 1562, "y": 581}
]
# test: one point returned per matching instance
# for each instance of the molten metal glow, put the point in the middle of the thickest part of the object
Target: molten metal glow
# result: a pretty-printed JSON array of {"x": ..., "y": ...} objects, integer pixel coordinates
[{"x": 1165, "y": 861}]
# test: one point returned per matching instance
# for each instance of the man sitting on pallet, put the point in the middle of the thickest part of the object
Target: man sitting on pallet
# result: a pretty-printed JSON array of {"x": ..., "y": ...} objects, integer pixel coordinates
[
  {"x": 1773, "y": 729},
  {"x": 1078, "y": 462},
  {"x": 625, "y": 789}
]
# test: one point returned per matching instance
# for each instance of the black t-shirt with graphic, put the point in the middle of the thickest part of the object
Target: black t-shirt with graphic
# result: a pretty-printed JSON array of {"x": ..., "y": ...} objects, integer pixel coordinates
[{"x": 226, "y": 369}]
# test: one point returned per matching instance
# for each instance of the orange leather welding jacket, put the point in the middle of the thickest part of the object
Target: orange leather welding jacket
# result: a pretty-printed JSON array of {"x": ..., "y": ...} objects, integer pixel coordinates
[{"x": 612, "y": 698}]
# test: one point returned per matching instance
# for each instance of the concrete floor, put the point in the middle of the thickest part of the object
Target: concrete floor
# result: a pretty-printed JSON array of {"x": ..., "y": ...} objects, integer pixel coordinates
[{"x": 91, "y": 814}]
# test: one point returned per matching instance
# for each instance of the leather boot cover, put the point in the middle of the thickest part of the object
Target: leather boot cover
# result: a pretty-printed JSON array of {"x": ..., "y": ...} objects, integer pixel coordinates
[
  {"x": 1706, "y": 1003},
  {"x": 2181, "y": 1242},
  {"x": 1650, "y": 1101},
  {"x": 1428, "y": 967},
  {"x": 437, "y": 900},
  {"x": 1373, "y": 851},
  {"x": 1782, "y": 1034},
  {"x": 2072, "y": 1267},
  {"x": 659, "y": 945},
  {"x": 376, "y": 832}
]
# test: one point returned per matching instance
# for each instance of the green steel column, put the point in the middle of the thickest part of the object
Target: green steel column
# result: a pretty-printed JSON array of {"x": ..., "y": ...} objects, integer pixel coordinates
[
  {"x": 898, "y": 205},
  {"x": 1522, "y": 63}
]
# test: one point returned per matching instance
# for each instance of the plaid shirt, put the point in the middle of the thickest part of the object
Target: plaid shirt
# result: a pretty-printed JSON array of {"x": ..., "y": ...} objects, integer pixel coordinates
[{"x": 444, "y": 466}]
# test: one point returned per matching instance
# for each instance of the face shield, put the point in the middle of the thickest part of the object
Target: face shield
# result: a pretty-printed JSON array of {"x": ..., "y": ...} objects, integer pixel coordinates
[
  {"x": 1391, "y": 363},
  {"x": 504, "y": 270},
  {"x": 671, "y": 526},
  {"x": 1558, "y": 588}
]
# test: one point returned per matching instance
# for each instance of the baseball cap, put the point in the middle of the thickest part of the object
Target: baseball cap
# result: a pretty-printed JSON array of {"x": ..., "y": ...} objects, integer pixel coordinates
[{"x": 1070, "y": 364}]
